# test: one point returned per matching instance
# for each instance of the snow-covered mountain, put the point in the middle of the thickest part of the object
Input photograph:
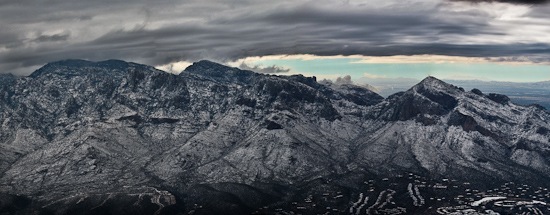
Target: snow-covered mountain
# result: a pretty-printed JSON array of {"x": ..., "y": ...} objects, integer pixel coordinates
[{"x": 77, "y": 134}]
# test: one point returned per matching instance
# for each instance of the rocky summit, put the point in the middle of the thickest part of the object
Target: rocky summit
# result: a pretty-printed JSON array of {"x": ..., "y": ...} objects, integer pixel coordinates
[{"x": 113, "y": 137}]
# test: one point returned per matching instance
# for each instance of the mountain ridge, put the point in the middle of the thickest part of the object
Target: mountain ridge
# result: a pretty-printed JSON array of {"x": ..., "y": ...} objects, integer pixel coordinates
[{"x": 80, "y": 127}]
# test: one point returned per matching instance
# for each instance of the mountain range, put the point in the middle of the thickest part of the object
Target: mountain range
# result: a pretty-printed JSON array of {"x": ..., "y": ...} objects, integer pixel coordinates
[
  {"x": 525, "y": 93},
  {"x": 114, "y": 137}
]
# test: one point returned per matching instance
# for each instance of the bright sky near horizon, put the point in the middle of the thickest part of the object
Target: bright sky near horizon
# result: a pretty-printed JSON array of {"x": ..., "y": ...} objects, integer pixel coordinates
[{"x": 405, "y": 67}]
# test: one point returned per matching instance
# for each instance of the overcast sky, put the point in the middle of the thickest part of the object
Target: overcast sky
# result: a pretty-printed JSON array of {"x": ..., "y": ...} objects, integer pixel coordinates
[{"x": 173, "y": 33}]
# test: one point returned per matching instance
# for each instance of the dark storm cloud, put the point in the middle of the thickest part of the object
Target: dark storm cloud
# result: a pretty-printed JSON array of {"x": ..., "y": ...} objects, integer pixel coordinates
[
  {"x": 52, "y": 38},
  {"x": 168, "y": 31}
]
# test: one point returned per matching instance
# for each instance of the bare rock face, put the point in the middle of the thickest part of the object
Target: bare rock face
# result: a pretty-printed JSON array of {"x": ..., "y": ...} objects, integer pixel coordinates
[{"x": 82, "y": 137}]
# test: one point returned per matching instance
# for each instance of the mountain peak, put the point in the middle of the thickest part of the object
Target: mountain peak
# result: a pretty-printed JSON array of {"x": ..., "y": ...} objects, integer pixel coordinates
[
  {"x": 85, "y": 63},
  {"x": 73, "y": 66},
  {"x": 207, "y": 67},
  {"x": 208, "y": 62},
  {"x": 218, "y": 71},
  {"x": 71, "y": 62},
  {"x": 432, "y": 84},
  {"x": 430, "y": 79},
  {"x": 431, "y": 96}
]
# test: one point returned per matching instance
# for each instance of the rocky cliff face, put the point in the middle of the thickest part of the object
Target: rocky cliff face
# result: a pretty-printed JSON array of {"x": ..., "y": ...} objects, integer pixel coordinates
[
  {"x": 78, "y": 132},
  {"x": 444, "y": 130}
]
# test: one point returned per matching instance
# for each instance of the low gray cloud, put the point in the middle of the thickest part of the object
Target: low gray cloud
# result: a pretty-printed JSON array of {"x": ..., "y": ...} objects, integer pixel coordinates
[
  {"x": 268, "y": 70},
  {"x": 52, "y": 38},
  {"x": 168, "y": 31},
  {"x": 344, "y": 80}
]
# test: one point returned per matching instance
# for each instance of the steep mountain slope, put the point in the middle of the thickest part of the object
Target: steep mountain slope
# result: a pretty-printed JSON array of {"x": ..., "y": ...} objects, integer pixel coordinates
[
  {"x": 78, "y": 132},
  {"x": 442, "y": 130},
  {"x": 76, "y": 126}
]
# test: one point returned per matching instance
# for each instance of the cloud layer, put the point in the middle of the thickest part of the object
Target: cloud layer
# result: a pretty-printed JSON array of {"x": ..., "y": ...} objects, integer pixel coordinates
[
  {"x": 268, "y": 70},
  {"x": 510, "y": 1},
  {"x": 168, "y": 31}
]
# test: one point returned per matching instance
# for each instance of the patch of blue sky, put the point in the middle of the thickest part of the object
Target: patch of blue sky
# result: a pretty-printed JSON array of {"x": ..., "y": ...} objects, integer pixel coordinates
[{"x": 487, "y": 71}]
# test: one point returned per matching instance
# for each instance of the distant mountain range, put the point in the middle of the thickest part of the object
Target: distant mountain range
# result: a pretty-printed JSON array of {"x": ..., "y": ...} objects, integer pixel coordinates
[
  {"x": 520, "y": 93},
  {"x": 114, "y": 137}
]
